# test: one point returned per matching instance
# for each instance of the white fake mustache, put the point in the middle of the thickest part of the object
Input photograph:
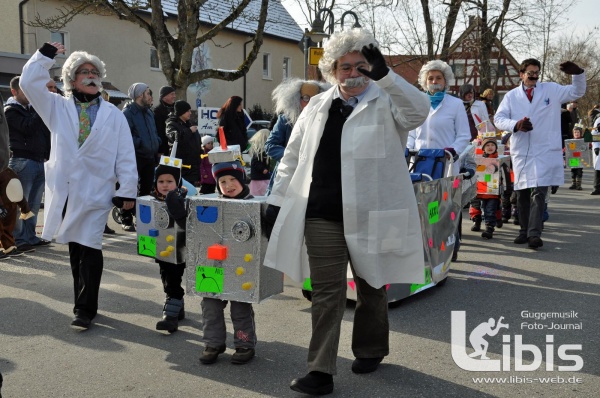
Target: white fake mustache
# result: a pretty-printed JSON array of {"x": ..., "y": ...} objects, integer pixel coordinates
[
  {"x": 92, "y": 82},
  {"x": 354, "y": 82},
  {"x": 435, "y": 87}
]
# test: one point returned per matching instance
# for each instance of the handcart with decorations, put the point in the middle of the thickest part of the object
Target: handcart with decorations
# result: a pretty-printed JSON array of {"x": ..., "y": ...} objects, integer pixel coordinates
[{"x": 440, "y": 198}]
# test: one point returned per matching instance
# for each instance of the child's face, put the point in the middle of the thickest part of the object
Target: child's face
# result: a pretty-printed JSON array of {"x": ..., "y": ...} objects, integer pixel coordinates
[
  {"x": 208, "y": 146},
  {"x": 230, "y": 186},
  {"x": 576, "y": 134},
  {"x": 165, "y": 183},
  {"x": 489, "y": 148}
]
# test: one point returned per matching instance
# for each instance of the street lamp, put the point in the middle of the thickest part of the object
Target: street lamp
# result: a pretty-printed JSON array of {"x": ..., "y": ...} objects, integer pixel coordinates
[{"x": 356, "y": 24}]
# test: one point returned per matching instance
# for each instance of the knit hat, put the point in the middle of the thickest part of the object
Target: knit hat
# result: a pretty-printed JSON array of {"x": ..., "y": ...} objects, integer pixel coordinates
[
  {"x": 166, "y": 169},
  {"x": 489, "y": 139},
  {"x": 136, "y": 89},
  {"x": 165, "y": 90},
  {"x": 181, "y": 107},
  {"x": 234, "y": 169},
  {"x": 207, "y": 139}
]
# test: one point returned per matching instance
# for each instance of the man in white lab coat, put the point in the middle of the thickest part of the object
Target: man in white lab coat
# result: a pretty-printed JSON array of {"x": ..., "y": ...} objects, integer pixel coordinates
[
  {"x": 91, "y": 151},
  {"x": 532, "y": 112},
  {"x": 345, "y": 195}
]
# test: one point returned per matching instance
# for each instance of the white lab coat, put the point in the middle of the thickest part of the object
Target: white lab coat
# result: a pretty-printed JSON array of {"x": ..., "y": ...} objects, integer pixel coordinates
[
  {"x": 381, "y": 220},
  {"x": 446, "y": 126},
  {"x": 596, "y": 144},
  {"x": 86, "y": 175},
  {"x": 537, "y": 155}
]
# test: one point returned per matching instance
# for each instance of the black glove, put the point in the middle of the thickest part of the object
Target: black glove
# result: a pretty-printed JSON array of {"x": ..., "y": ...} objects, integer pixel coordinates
[
  {"x": 452, "y": 152},
  {"x": 3, "y": 212},
  {"x": 374, "y": 57},
  {"x": 571, "y": 68},
  {"x": 118, "y": 201},
  {"x": 597, "y": 151},
  {"x": 468, "y": 173},
  {"x": 524, "y": 125},
  {"x": 175, "y": 201},
  {"x": 269, "y": 219}
]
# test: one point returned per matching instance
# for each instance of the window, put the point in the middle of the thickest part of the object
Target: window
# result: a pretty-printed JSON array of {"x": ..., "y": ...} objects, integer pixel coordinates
[
  {"x": 154, "y": 62},
  {"x": 287, "y": 67},
  {"x": 459, "y": 71},
  {"x": 266, "y": 66},
  {"x": 59, "y": 37}
]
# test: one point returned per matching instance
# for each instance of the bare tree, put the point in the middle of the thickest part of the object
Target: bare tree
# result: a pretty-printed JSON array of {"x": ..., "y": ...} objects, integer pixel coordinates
[{"x": 175, "y": 49}]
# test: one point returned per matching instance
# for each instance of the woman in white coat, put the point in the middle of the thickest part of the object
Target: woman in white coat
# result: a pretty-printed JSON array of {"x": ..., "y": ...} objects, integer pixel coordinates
[
  {"x": 89, "y": 155},
  {"x": 532, "y": 112},
  {"x": 446, "y": 125},
  {"x": 345, "y": 195},
  {"x": 596, "y": 152}
]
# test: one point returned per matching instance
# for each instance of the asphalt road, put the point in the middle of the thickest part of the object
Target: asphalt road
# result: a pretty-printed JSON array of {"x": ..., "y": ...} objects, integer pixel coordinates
[{"x": 123, "y": 356}]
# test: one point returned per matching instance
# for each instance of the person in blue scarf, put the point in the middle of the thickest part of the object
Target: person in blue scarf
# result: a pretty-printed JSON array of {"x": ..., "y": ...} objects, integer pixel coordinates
[{"x": 447, "y": 126}]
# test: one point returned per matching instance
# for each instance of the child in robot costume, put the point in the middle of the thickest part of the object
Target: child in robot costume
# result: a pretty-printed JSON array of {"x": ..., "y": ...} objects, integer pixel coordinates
[
  {"x": 490, "y": 203},
  {"x": 230, "y": 177},
  {"x": 576, "y": 172},
  {"x": 168, "y": 188}
]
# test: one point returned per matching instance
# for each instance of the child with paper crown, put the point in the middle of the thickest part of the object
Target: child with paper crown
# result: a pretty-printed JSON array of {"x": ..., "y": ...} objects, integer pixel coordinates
[
  {"x": 490, "y": 203},
  {"x": 230, "y": 177},
  {"x": 577, "y": 172},
  {"x": 168, "y": 188}
]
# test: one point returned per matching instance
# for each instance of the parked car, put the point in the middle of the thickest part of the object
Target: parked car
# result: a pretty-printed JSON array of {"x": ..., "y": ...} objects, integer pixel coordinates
[{"x": 257, "y": 125}]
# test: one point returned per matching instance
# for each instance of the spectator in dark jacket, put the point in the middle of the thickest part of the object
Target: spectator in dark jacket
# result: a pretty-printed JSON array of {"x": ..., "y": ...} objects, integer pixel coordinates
[
  {"x": 166, "y": 100},
  {"x": 231, "y": 118},
  {"x": 145, "y": 140},
  {"x": 30, "y": 145},
  {"x": 189, "y": 147}
]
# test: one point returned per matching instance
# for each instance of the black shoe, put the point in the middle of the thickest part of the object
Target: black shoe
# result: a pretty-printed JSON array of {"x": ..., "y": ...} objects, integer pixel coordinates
[
  {"x": 516, "y": 221},
  {"x": 519, "y": 240},
  {"x": 210, "y": 354},
  {"x": 168, "y": 323},
  {"x": 181, "y": 315},
  {"x": 108, "y": 230},
  {"x": 43, "y": 242},
  {"x": 10, "y": 252},
  {"x": 366, "y": 365},
  {"x": 81, "y": 322},
  {"x": 25, "y": 248},
  {"x": 314, "y": 383},
  {"x": 554, "y": 189},
  {"x": 572, "y": 186},
  {"x": 595, "y": 192},
  {"x": 128, "y": 228},
  {"x": 488, "y": 233},
  {"x": 535, "y": 242},
  {"x": 242, "y": 356},
  {"x": 476, "y": 226},
  {"x": 499, "y": 223}
]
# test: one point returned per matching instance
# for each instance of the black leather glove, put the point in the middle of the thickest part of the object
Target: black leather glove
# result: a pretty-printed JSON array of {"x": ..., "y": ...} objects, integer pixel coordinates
[
  {"x": 175, "y": 201},
  {"x": 452, "y": 152},
  {"x": 597, "y": 151},
  {"x": 3, "y": 212},
  {"x": 269, "y": 219},
  {"x": 374, "y": 57},
  {"x": 468, "y": 173},
  {"x": 524, "y": 125},
  {"x": 570, "y": 68}
]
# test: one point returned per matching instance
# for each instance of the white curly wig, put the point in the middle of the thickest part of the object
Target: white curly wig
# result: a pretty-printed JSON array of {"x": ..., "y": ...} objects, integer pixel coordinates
[
  {"x": 340, "y": 44},
  {"x": 75, "y": 60},
  {"x": 436, "y": 64},
  {"x": 286, "y": 97}
]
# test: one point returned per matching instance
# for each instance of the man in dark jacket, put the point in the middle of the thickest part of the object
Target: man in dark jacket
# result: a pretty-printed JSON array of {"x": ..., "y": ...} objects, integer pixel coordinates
[
  {"x": 30, "y": 145},
  {"x": 166, "y": 100},
  {"x": 189, "y": 147},
  {"x": 145, "y": 140}
]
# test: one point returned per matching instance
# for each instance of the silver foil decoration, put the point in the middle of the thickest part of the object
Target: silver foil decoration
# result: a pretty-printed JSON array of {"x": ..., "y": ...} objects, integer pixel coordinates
[{"x": 578, "y": 154}]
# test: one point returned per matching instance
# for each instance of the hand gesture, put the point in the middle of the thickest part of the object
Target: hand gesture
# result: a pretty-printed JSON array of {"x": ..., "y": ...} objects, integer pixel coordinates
[
  {"x": 524, "y": 125},
  {"x": 374, "y": 57},
  {"x": 60, "y": 49},
  {"x": 570, "y": 68}
]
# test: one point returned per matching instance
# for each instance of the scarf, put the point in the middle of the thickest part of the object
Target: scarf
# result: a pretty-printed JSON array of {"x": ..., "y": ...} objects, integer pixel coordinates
[{"x": 436, "y": 98}]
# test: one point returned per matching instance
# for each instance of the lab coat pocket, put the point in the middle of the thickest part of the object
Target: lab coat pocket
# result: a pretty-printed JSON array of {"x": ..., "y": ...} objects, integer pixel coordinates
[
  {"x": 369, "y": 142},
  {"x": 387, "y": 230}
]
